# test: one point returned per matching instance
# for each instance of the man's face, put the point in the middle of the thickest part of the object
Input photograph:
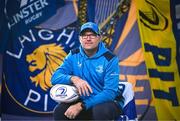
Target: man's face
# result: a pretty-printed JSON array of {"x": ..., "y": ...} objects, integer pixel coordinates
[{"x": 89, "y": 40}]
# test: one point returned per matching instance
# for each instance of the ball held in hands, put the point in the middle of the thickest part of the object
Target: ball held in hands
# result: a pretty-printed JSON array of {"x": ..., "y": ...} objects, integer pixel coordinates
[{"x": 64, "y": 93}]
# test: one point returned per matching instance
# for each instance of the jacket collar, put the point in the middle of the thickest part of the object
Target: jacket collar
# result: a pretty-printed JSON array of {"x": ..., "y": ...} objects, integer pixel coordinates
[{"x": 101, "y": 50}]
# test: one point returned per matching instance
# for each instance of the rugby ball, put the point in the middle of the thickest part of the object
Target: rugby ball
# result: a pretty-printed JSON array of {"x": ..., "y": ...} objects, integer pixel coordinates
[{"x": 64, "y": 93}]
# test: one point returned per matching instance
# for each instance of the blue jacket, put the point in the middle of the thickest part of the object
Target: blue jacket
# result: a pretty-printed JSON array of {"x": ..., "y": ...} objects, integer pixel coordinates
[{"x": 101, "y": 71}]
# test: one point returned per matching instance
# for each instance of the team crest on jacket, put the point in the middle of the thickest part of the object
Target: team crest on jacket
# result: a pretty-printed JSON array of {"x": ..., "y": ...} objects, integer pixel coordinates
[
  {"x": 99, "y": 69},
  {"x": 29, "y": 64}
]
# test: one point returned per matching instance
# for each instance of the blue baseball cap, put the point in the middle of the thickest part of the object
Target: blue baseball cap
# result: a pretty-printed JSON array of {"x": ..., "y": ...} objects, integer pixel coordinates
[{"x": 90, "y": 25}]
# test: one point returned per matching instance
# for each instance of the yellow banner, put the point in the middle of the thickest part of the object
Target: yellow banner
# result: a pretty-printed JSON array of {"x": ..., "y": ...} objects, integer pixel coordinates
[{"x": 159, "y": 46}]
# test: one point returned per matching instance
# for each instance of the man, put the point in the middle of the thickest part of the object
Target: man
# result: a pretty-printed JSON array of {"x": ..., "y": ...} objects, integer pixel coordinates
[{"x": 94, "y": 71}]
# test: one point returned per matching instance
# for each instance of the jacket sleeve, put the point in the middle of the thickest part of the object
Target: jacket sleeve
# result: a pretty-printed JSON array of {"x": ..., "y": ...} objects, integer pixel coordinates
[
  {"x": 110, "y": 89},
  {"x": 63, "y": 74}
]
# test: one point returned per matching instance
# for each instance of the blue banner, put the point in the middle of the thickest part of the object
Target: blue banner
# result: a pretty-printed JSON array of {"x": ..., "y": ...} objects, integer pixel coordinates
[
  {"x": 24, "y": 14},
  {"x": 2, "y": 4},
  {"x": 29, "y": 63}
]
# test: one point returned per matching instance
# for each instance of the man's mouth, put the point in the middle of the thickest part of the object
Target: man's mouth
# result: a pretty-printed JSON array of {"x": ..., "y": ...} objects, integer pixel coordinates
[{"x": 88, "y": 43}]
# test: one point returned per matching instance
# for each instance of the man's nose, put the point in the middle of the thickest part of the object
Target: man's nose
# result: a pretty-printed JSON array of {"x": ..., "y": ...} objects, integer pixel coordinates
[{"x": 88, "y": 37}]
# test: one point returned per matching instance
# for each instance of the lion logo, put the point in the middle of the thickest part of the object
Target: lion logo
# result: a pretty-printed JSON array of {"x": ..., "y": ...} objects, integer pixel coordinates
[{"x": 44, "y": 60}]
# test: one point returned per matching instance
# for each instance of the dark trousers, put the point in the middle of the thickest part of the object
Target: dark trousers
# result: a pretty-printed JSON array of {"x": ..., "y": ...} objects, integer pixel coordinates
[{"x": 103, "y": 111}]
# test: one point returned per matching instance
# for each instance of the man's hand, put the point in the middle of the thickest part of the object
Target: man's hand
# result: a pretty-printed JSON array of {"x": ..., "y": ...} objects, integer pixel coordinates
[
  {"x": 73, "y": 110},
  {"x": 82, "y": 86}
]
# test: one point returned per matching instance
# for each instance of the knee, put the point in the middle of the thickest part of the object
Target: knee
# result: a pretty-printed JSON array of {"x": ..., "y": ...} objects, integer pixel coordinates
[
  {"x": 58, "y": 113},
  {"x": 105, "y": 111},
  {"x": 101, "y": 111}
]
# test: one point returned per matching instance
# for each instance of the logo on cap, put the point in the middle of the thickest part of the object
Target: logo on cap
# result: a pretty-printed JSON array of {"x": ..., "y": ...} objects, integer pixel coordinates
[{"x": 90, "y": 25}]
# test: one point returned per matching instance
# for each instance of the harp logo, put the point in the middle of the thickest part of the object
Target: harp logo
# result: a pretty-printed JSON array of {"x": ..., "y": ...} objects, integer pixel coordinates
[{"x": 61, "y": 92}]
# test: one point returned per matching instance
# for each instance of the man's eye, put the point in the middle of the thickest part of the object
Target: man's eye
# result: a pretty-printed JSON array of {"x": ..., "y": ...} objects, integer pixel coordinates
[{"x": 92, "y": 36}]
